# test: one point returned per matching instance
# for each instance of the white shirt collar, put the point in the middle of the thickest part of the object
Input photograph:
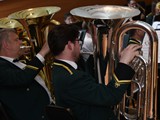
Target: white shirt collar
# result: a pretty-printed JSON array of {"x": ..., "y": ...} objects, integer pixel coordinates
[
  {"x": 73, "y": 64},
  {"x": 7, "y": 58},
  {"x": 18, "y": 64}
]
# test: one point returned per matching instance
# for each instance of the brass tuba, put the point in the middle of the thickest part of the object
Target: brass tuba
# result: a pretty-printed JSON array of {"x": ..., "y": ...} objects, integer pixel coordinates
[
  {"x": 9, "y": 23},
  {"x": 36, "y": 23},
  {"x": 140, "y": 100}
]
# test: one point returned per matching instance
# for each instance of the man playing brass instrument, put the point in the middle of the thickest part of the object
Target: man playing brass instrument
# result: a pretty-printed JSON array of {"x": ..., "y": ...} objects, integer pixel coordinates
[
  {"x": 22, "y": 91},
  {"x": 78, "y": 90}
]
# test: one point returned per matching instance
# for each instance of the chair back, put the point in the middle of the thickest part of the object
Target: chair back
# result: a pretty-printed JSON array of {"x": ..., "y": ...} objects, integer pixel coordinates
[
  {"x": 54, "y": 112},
  {"x": 3, "y": 114}
]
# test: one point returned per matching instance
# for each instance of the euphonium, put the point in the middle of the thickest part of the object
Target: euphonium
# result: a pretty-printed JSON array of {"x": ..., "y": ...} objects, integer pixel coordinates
[
  {"x": 37, "y": 22},
  {"x": 140, "y": 101}
]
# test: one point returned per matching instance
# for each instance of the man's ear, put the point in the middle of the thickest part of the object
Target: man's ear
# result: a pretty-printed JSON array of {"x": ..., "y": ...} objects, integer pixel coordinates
[
  {"x": 70, "y": 45},
  {"x": 4, "y": 44}
]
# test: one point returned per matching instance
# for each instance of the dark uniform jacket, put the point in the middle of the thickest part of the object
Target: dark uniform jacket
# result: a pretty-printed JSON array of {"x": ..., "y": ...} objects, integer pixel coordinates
[
  {"x": 149, "y": 18},
  {"x": 22, "y": 97},
  {"x": 88, "y": 100}
]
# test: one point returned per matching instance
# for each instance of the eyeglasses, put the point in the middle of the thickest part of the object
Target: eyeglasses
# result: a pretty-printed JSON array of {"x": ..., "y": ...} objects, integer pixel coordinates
[{"x": 80, "y": 42}]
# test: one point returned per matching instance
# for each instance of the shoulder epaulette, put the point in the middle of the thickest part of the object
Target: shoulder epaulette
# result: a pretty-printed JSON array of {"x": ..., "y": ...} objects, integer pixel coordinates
[
  {"x": 64, "y": 66},
  {"x": 149, "y": 14},
  {"x": 31, "y": 67}
]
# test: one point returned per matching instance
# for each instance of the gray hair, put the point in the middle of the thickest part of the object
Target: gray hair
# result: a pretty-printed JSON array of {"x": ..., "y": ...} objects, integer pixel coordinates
[{"x": 4, "y": 34}]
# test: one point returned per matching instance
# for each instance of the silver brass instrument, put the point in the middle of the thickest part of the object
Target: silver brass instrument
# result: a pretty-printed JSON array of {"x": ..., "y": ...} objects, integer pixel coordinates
[
  {"x": 140, "y": 101},
  {"x": 37, "y": 22}
]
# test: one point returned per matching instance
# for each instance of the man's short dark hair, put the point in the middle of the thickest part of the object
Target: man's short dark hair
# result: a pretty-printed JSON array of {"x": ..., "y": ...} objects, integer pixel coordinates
[
  {"x": 67, "y": 15},
  {"x": 59, "y": 36}
]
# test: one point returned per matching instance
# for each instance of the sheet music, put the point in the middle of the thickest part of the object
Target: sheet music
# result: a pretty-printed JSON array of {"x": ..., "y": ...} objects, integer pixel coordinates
[
  {"x": 146, "y": 42},
  {"x": 158, "y": 34},
  {"x": 156, "y": 25}
]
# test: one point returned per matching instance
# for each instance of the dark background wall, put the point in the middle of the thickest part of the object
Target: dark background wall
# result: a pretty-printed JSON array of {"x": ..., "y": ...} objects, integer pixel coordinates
[{"x": 9, "y": 6}]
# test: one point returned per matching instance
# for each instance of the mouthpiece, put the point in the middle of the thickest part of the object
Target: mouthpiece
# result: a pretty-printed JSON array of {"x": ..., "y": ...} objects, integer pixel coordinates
[{"x": 22, "y": 47}]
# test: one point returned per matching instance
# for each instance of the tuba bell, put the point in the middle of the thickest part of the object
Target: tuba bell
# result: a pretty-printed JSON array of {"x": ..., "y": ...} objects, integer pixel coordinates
[
  {"x": 37, "y": 23},
  {"x": 140, "y": 100},
  {"x": 10, "y": 23}
]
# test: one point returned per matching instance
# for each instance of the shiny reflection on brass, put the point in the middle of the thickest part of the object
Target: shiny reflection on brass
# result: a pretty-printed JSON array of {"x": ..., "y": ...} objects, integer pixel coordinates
[
  {"x": 35, "y": 12},
  {"x": 37, "y": 22},
  {"x": 9, "y": 23},
  {"x": 105, "y": 12},
  {"x": 140, "y": 100}
]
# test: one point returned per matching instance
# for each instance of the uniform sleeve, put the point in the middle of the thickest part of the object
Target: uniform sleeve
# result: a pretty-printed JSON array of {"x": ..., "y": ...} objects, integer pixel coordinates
[
  {"x": 13, "y": 76},
  {"x": 123, "y": 74},
  {"x": 86, "y": 91}
]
